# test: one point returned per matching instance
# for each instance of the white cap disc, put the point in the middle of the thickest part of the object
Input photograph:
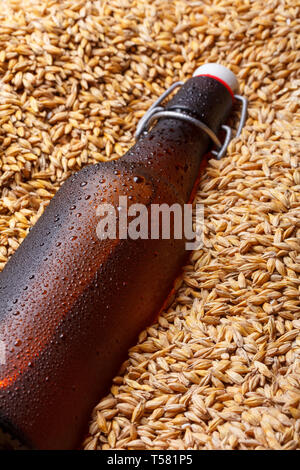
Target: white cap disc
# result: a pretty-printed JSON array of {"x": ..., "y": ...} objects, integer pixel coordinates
[{"x": 221, "y": 72}]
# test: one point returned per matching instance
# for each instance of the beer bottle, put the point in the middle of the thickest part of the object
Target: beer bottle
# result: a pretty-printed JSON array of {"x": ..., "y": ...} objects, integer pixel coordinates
[{"x": 71, "y": 301}]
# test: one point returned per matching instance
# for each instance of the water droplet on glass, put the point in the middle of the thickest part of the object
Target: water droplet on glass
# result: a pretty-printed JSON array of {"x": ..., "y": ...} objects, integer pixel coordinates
[{"x": 138, "y": 179}]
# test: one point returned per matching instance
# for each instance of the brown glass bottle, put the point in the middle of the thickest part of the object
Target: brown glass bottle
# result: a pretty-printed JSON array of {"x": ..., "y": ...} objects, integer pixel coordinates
[{"x": 70, "y": 304}]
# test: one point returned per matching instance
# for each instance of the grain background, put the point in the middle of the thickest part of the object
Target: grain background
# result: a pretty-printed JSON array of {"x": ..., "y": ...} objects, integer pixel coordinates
[{"x": 220, "y": 368}]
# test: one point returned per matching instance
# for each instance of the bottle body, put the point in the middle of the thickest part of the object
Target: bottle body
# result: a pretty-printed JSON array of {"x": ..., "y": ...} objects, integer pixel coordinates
[{"x": 70, "y": 304}]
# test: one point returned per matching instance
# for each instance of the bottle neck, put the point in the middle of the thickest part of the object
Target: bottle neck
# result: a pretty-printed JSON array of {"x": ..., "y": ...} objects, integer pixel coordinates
[
  {"x": 172, "y": 150},
  {"x": 204, "y": 98}
]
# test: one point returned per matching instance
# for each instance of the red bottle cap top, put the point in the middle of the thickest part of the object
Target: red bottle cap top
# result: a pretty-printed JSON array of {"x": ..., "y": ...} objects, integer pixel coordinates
[{"x": 221, "y": 73}]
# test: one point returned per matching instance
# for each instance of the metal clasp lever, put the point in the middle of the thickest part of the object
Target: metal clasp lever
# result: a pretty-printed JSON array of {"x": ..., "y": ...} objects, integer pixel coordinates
[{"x": 156, "y": 112}]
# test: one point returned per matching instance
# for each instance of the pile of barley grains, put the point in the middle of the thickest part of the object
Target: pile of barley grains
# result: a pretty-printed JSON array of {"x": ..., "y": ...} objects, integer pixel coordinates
[{"x": 220, "y": 369}]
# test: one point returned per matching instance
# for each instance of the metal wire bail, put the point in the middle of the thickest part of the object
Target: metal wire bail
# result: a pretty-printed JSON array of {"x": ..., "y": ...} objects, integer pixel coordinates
[{"x": 156, "y": 112}]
